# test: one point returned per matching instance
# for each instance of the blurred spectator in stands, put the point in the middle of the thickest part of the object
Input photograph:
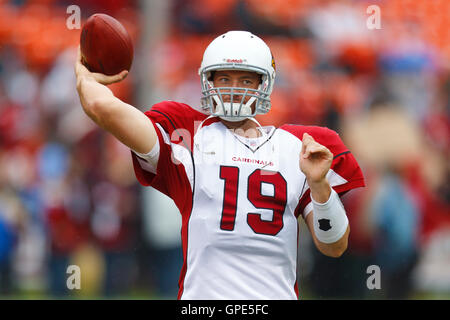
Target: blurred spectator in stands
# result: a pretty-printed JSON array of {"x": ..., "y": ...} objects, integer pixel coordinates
[
  {"x": 197, "y": 16},
  {"x": 430, "y": 184},
  {"x": 395, "y": 212},
  {"x": 114, "y": 216},
  {"x": 397, "y": 224},
  {"x": 66, "y": 205},
  {"x": 12, "y": 215}
]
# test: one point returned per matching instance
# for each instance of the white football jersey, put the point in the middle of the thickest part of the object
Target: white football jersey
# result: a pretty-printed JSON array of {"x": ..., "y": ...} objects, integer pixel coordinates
[{"x": 239, "y": 200}]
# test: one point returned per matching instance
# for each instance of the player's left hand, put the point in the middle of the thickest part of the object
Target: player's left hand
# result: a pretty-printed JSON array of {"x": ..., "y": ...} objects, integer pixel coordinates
[{"x": 315, "y": 160}]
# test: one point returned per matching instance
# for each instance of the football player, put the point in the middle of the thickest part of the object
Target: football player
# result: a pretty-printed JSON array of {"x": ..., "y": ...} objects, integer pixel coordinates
[{"x": 240, "y": 187}]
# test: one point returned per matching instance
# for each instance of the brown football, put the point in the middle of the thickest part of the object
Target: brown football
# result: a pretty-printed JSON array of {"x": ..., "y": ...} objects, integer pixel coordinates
[{"x": 106, "y": 46}]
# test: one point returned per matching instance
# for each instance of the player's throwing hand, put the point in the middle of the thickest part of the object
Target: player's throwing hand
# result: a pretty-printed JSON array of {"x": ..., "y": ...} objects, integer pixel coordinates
[
  {"x": 81, "y": 71},
  {"x": 315, "y": 159}
]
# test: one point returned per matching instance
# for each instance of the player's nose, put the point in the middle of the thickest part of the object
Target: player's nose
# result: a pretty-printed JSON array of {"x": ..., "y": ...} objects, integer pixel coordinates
[
  {"x": 235, "y": 83},
  {"x": 236, "y": 95}
]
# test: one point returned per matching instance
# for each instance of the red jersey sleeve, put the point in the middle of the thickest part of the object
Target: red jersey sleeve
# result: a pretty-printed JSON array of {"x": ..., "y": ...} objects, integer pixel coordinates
[
  {"x": 346, "y": 173},
  {"x": 175, "y": 125}
]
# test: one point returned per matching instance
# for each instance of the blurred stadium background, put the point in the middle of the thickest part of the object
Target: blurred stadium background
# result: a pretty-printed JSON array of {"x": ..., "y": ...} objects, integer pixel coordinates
[{"x": 68, "y": 194}]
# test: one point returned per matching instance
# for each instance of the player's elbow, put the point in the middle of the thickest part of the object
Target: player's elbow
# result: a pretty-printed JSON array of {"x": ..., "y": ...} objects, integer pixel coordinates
[
  {"x": 100, "y": 110},
  {"x": 95, "y": 106},
  {"x": 337, "y": 252},
  {"x": 334, "y": 250}
]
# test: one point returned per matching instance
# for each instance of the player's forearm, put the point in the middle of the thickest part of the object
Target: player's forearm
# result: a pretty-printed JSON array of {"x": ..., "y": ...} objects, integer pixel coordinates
[
  {"x": 336, "y": 249},
  {"x": 330, "y": 223},
  {"x": 94, "y": 98},
  {"x": 126, "y": 123}
]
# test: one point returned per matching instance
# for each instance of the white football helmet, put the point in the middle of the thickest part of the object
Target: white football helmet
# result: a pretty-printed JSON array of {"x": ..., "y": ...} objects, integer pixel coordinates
[{"x": 237, "y": 50}]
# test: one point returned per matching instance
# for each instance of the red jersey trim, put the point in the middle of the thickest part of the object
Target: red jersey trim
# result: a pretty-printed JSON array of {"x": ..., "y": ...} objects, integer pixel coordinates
[
  {"x": 344, "y": 163},
  {"x": 340, "y": 189}
]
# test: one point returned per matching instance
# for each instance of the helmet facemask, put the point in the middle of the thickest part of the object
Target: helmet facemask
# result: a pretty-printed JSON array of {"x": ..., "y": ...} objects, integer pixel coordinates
[{"x": 213, "y": 98}]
